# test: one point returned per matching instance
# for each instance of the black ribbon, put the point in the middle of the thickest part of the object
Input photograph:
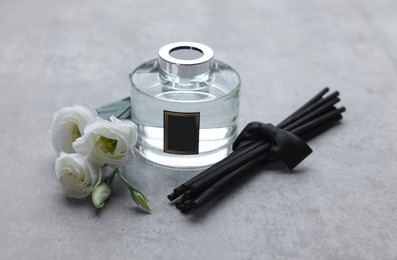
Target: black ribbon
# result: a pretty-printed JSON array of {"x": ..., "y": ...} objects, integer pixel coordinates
[{"x": 285, "y": 146}]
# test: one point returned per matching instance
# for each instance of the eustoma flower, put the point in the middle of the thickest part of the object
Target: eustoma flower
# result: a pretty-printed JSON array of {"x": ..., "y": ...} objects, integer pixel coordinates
[
  {"x": 108, "y": 142},
  {"x": 86, "y": 144},
  {"x": 77, "y": 175},
  {"x": 68, "y": 124}
]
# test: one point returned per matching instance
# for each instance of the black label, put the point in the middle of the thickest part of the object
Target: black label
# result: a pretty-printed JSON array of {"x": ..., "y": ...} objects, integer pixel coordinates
[{"x": 181, "y": 132}]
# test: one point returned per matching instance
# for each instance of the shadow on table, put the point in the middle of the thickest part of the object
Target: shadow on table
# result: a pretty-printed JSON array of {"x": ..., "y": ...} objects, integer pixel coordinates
[
  {"x": 156, "y": 182},
  {"x": 237, "y": 186}
]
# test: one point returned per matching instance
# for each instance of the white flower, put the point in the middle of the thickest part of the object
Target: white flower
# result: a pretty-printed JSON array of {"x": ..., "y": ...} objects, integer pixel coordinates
[
  {"x": 77, "y": 175},
  {"x": 108, "y": 142},
  {"x": 68, "y": 124}
]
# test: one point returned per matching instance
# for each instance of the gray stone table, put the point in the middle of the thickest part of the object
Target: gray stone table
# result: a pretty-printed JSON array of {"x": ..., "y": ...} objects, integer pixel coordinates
[{"x": 340, "y": 203}]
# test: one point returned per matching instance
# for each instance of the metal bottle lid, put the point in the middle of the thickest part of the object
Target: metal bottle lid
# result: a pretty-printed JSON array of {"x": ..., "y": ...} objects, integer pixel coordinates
[{"x": 185, "y": 59}]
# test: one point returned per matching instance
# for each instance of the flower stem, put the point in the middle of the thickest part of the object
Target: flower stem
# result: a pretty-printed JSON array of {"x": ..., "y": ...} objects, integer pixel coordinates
[{"x": 109, "y": 179}]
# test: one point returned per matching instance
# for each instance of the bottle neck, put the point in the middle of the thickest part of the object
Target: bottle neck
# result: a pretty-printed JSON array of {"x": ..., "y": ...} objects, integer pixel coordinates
[{"x": 177, "y": 82}]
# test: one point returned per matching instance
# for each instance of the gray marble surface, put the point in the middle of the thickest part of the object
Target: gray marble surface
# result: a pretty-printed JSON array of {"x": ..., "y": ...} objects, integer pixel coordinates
[{"x": 340, "y": 203}]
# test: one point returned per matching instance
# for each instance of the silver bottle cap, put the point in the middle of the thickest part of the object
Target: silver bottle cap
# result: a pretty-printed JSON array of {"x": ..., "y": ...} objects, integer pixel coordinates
[{"x": 186, "y": 59}]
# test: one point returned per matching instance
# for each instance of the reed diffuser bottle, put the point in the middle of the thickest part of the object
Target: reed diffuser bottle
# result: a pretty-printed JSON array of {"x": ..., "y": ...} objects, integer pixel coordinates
[{"x": 185, "y": 104}]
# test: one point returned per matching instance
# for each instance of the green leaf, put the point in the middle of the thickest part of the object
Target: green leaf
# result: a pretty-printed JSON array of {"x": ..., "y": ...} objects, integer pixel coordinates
[
  {"x": 120, "y": 109},
  {"x": 140, "y": 199},
  {"x": 100, "y": 194}
]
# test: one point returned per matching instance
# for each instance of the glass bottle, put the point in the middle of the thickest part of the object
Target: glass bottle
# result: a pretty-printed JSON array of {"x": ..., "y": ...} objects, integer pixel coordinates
[{"x": 186, "y": 105}]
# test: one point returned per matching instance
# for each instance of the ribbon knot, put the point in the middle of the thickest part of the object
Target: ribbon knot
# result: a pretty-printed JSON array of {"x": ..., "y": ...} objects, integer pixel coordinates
[{"x": 284, "y": 145}]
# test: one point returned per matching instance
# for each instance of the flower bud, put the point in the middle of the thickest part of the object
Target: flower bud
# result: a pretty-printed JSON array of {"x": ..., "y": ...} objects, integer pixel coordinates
[{"x": 100, "y": 194}]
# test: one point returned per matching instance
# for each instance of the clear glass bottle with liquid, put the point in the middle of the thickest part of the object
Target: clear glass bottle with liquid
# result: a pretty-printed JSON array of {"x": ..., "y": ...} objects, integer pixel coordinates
[{"x": 186, "y": 105}]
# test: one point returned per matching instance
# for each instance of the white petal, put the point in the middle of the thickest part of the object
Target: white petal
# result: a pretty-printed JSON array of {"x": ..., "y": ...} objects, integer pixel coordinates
[
  {"x": 80, "y": 145},
  {"x": 77, "y": 175},
  {"x": 63, "y": 124}
]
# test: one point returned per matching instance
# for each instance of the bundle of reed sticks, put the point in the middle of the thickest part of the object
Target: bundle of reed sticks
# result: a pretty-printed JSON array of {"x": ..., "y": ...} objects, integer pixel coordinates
[{"x": 314, "y": 117}]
